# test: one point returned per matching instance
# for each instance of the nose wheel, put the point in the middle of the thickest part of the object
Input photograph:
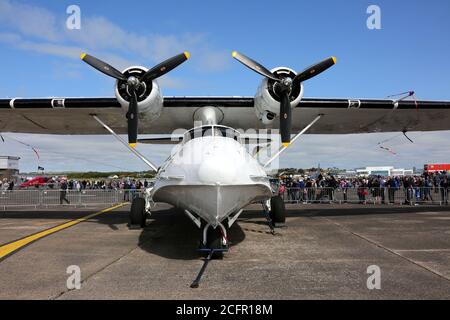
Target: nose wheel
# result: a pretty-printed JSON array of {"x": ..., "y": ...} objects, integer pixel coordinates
[
  {"x": 214, "y": 244},
  {"x": 215, "y": 240}
]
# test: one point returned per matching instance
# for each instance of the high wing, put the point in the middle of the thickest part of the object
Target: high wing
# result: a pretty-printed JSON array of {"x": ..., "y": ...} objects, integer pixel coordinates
[{"x": 341, "y": 116}]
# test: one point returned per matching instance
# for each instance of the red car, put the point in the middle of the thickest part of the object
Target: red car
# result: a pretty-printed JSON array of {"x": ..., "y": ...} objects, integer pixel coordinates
[{"x": 37, "y": 182}]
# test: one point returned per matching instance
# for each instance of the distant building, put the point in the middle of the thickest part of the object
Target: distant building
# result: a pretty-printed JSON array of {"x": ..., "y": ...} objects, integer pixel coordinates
[
  {"x": 402, "y": 172},
  {"x": 384, "y": 171},
  {"x": 9, "y": 167},
  {"x": 350, "y": 173}
]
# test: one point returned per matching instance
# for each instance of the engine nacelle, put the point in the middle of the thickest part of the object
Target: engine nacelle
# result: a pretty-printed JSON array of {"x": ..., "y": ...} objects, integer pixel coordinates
[
  {"x": 267, "y": 102},
  {"x": 150, "y": 100}
]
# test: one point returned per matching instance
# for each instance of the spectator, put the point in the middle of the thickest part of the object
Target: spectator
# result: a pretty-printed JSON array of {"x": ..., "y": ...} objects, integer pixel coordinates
[{"x": 63, "y": 192}]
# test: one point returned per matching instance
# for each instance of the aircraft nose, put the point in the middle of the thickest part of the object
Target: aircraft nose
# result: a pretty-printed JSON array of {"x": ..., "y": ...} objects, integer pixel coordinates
[{"x": 217, "y": 168}]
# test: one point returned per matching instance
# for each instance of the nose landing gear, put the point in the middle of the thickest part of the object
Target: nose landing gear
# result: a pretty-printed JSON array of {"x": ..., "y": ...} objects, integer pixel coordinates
[
  {"x": 215, "y": 239},
  {"x": 214, "y": 244}
]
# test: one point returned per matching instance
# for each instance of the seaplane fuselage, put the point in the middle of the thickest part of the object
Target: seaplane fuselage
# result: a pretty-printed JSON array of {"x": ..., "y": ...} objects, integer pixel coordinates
[{"x": 211, "y": 174}]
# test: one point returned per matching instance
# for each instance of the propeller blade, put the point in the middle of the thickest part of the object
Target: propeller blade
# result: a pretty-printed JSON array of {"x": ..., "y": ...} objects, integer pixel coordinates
[
  {"x": 166, "y": 66},
  {"x": 253, "y": 65},
  {"x": 285, "y": 119},
  {"x": 314, "y": 70},
  {"x": 132, "y": 117},
  {"x": 102, "y": 67}
]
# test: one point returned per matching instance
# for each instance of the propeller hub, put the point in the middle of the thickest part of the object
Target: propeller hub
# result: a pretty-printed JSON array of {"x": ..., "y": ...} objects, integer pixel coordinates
[
  {"x": 287, "y": 82},
  {"x": 133, "y": 82},
  {"x": 125, "y": 87},
  {"x": 283, "y": 86}
]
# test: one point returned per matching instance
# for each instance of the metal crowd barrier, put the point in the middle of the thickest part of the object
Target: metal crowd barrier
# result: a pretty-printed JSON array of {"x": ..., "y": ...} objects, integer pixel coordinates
[
  {"x": 46, "y": 198},
  {"x": 408, "y": 196}
]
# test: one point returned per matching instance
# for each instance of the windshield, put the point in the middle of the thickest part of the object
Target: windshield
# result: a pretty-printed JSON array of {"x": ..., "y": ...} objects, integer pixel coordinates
[{"x": 208, "y": 131}]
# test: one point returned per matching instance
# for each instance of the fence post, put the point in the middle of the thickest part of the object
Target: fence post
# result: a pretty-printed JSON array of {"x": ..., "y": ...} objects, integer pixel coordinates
[{"x": 40, "y": 196}]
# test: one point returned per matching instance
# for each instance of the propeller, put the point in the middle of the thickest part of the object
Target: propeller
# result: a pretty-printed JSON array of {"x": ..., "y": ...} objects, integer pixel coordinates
[
  {"x": 102, "y": 67},
  {"x": 283, "y": 87},
  {"x": 134, "y": 83},
  {"x": 315, "y": 70},
  {"x": 132, "y": 120},
  {"x": 253, "y": 65}
]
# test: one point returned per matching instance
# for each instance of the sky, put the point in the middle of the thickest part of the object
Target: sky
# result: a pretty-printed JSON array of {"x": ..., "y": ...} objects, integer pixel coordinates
[{"x": 40, "y": 57}]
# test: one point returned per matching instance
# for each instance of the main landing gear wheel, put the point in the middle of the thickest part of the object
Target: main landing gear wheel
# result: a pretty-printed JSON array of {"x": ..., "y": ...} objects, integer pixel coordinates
[
  {"x": 137, "y": 213},
  {"x": 278, "y": 211}
]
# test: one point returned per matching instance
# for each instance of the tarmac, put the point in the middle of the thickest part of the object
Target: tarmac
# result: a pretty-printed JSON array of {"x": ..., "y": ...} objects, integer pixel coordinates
[{"x": 323, "y": 252}]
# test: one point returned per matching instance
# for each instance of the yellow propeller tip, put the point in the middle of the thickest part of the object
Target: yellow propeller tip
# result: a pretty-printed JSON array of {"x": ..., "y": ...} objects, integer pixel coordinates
[
  {"x": 82, "y": 56},
  {"x": 234, "y": 54},
  {"x": 285, "y": 144},
  {"x": 334, "y": 59},
  {"x": 133, "y": 145},
  {"x": 187, "y": 55}
]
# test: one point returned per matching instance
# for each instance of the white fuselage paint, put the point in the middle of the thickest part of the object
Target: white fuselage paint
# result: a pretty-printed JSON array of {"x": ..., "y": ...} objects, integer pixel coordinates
[{"x": 212, "y": 176}]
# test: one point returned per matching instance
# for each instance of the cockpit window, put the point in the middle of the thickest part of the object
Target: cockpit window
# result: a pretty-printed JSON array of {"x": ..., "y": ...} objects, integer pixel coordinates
[{"x": 208, "y": 131}]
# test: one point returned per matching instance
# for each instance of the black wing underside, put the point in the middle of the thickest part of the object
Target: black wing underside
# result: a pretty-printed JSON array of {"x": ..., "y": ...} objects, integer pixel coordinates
[{"x": 341, "y": 116}]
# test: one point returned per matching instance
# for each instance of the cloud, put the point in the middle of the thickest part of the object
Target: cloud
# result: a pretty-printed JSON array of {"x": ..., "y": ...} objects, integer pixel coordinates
[
  {"x": 33, "y": 28},
  {"x": 214, "y": 61},
  {"x": 72, "y": 153},
  {"x": 65, "y": 51},
  {"x": 104, "y": 153},
  {"x": 170, "y": 82},
  {"x": 68, "y": 70},
  {"x": 17, "y": 41},
  {"x": 98, "y": 33},
  {"x": 364, "y": 150},
  {"x": 29, "y": 20}
]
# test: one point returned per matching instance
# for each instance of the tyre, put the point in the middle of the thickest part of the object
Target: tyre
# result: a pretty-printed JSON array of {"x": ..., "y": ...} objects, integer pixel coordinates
[
  {"x": 214, "y": 241},
  {"x": 137, "y": 212},
  {"x": 278, "y": 211}
]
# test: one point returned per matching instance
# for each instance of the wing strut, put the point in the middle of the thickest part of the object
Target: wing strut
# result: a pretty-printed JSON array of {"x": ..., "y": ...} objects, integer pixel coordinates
[
  {"x": 134, "y": 151},
  {"x": 293, "y": 140}
]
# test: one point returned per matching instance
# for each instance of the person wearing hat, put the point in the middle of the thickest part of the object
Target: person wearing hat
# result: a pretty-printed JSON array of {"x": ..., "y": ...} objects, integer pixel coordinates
[{"x": 63, "y": 192}]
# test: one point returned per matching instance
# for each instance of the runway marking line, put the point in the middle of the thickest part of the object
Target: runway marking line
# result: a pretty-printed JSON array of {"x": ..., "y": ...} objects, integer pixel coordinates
[{"x": 12, "y": 247}]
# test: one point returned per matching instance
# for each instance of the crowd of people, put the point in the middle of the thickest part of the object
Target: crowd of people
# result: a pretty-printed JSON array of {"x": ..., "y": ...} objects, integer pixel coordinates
[
  {"x": 79, "y": 185},
  {"x": 321, "y": 187},
  {"x": 382, "y": 189},
  {"x": 109, "y": 184},
  {"x": 64, "y": 185},
  {"x": 6, "y": 184}
]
